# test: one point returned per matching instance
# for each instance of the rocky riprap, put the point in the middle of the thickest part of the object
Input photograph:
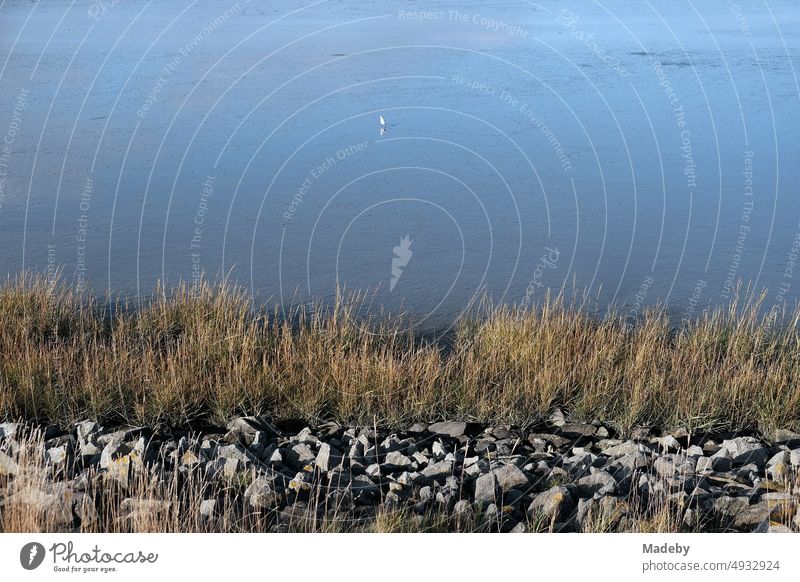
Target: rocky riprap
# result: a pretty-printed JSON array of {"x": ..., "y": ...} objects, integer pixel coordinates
[{"x": 561, "y": 477}]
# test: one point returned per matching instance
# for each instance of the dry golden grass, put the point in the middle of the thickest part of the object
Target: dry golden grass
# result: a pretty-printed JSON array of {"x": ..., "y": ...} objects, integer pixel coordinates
[{"x": 204, "y": 355}]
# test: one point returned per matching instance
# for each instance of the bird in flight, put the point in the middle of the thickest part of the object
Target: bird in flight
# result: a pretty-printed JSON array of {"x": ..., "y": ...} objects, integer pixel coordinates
[{"x": 383, "y": 124}]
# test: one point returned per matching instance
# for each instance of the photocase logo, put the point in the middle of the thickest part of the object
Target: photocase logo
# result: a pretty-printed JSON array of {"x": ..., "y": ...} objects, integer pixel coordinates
[
  {"x": 31, "y": 555},
  {"x": 402, "y": 255}
]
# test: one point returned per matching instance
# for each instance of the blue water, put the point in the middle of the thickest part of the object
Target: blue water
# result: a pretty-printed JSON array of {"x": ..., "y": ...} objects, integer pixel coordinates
[{"x": 642, "y": 156}]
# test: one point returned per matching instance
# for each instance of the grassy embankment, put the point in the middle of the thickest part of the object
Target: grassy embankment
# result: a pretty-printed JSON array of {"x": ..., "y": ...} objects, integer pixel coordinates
[{"x": 205, "y": 356}]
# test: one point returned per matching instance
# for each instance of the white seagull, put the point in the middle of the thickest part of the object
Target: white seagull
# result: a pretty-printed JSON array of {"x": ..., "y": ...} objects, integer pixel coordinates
[{"x": 383, "y": 124}]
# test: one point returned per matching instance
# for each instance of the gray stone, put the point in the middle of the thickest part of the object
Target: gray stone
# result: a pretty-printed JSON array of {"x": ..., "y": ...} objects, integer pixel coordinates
[
  {"x": 485, "y": 488},
  {"x": 208, "y": 508},
  {"x": 557, "y": 418},
  {"x": 669, "y": 444},
  {"x": 750, "y": 517},
  {"x": 246, "y": 429},
  {"x": 301, "y": 482},
  {"x": 276, "y": 458},
  {"x": 450, "y": 428},
  {"x": 779, "y": 466},
  {"x": 232, "y": 467},
  {"x": 438, "y": 470},
  {"x": 112, "y": 452},
  {"x": 123, "y": 435},
  {"x": 328, "y": 458},
  {"x": 300, "y": 455},
  {"x": 577, "y": 431},
  {"x": 420, "y": 458},
  {"x": 745, "y": 450},
  {"x": 681, "y": 435},
  {"x": 120, "y": 462},
  {"x": 262, "y": 494},
  {"x": 306, "y": 437},
  {"x": 704, "y": 465},
  {"x": 90, "y": 453},
  {"x": 640, "y": 433},
  {"x": 86, "y": 429},
  {"x": 510, "y": 476},
  {"x": 8, "y": 429},
  {"x": 476, "y": 469},
  {"x": 623, "y": 449},
  {"x": 695, "y": 451},
  {"x": 721, "y": 461},
  {"x": 556, "y": 503},
  {"x": 634, "y": 461},
  {"x": 438, "y": 450},
  {"x": 710, "y": 447},
  {"x": 727, "y": 508},
  {"x": 786, "y": 437},
  {"x": 397, "y": 461},
  {"x": 598, "y": 483},
  {"x": 8, "y": 466},
  {"x": 579, "y": 465},
  {"x": 235, "y": 452},
  {"x": 58, "y": 455}
]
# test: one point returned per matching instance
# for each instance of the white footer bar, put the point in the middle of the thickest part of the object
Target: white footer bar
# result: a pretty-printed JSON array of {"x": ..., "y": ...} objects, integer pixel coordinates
[{"x": 389, "y": 557}]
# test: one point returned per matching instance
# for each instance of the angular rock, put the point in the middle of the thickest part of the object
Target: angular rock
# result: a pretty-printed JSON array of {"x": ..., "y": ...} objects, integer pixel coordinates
[
  {"x": 485, "y": 489},
  {"x": 556, "y": 503},
  {"x": 262, "y": 494},
  {"x": 113, "y": 451},
  {"x": 597, "y": 483},
  {"x": 438, "y": 470},
  {"x": 397, "y": 461},
  {"x": 623, "y": 449},
  {"x": 669, "y": 444},
  {"x": 328, "y": 458},
  {"x": 246, "y": 429},
  {"x": 86, "y": 429},
  {"x": 300, "y": 455},
  {"x": 235, "y": 452},
  {"x": 208, "y": 508},
  {"x": 786, "y": 437},
  {"x": 449, "y": 428},
  {"x": 745, "y": 450},
  {"x": 58, "y": 455},
  {"x": 509, "y": 477},
  {"x": 577, "y": 431},
  {"x": 8, "y": 466},
  {"x": 9, "y": 429},
  {"x": 779, "y": 466}
]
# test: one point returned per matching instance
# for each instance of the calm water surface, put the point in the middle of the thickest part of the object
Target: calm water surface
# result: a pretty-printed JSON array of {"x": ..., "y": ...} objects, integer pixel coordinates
[{"x": 645, "y": 155}]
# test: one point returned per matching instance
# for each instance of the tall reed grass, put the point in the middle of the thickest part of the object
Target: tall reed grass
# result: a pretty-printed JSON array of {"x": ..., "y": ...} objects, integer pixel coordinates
[{"x": 204, "y": 354}]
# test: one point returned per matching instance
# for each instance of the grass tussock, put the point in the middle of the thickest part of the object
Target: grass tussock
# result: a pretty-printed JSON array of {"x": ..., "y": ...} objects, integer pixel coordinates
[{"x": 204, "y": 354}]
